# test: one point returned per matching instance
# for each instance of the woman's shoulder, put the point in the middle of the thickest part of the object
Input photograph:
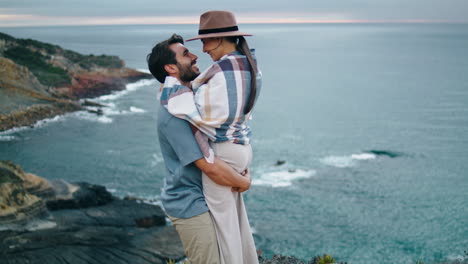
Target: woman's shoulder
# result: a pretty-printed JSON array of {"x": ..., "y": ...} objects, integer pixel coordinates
[{"x": 232, "y": 61}]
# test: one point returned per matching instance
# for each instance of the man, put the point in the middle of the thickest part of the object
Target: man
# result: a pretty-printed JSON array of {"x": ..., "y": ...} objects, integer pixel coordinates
[{"x": 182, "y": 195}]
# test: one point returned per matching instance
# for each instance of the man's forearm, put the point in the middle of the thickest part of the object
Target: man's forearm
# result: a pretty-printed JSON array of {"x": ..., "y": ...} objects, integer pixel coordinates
[{"x": 223, "y": 174}]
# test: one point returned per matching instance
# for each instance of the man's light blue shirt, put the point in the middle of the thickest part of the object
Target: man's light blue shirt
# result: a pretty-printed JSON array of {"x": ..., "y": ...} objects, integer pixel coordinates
[{"x": 182, "y": 194}]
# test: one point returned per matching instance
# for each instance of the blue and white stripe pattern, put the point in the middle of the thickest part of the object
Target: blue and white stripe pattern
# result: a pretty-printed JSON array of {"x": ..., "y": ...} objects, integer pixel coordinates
[{"x": 216, "y": 103}]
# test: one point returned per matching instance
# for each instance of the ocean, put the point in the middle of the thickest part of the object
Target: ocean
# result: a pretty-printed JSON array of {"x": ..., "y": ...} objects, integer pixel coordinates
[{"x": 360, "y": 135}]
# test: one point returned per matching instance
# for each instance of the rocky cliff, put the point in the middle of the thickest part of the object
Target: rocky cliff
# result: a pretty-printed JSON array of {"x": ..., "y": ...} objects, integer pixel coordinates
[
  {"x": 50, "y": 222},
  {"x": 40, "y": 80}
]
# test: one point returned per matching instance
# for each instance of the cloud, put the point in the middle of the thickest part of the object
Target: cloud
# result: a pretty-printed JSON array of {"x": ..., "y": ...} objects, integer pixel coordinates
[{"x": 104, "y": 12}]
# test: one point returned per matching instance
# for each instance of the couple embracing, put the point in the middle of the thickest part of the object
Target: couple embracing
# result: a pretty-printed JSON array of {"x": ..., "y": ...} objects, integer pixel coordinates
[{"x": 205, "y": 139}]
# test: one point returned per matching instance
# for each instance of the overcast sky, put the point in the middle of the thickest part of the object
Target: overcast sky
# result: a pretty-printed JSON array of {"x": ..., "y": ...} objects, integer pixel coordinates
[{"x": 74, "y": 12}]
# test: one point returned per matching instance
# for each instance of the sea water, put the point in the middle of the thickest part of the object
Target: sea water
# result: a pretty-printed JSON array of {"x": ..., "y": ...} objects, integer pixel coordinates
[{"x": 360, "y": 135}]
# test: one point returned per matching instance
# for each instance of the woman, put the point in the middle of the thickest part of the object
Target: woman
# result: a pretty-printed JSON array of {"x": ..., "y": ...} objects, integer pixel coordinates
[{"x": 222, "y": 101}]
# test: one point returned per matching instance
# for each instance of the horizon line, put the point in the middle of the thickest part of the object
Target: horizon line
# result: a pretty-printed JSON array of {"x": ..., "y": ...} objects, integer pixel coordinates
[{"x": 280, "y": 21}]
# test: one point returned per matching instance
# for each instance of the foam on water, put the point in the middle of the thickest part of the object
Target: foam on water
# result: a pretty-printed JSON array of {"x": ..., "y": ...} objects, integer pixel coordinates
[
  {"x": 137, "y": 110},
  {"x": 339, "y": 161},
  {"x": 254, "y": 231},
  {"x": 282, "y": 178},
  {"x": 7, "y": 138},
  {"x": 457, "y": 257},
  {"x": 144, "y": 70},
  {"x": 143, "y": 198},
  {"x": 14, "y": 130},
  {"x": 156, "y": 159},
  {"x": 110, "y": 106},
  {"x": 110, "y": 109},
  {"x": 347, "y": 161},
  {"x": 363, "y": 156},
  {"x": 93, "y": 117},
  {"x": 131, "y": 87},
  {"x": 6, "y": 135}
]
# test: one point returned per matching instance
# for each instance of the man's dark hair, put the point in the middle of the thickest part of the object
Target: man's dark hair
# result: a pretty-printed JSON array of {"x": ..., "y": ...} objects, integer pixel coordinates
[{"x": 162, "y": 55}]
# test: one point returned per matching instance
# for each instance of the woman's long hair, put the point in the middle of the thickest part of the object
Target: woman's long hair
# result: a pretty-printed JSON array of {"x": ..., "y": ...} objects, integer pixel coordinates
[{"x": 243, "y": 47}]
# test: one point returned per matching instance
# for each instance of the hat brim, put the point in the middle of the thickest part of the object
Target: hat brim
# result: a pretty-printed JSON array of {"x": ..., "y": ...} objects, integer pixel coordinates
[{"x": 220, "y": 34}]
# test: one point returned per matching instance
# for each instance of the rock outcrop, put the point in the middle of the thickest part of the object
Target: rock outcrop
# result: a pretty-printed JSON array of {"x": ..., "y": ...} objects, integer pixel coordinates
[
  {"x": 40, "y": 80},
  {"x": 16, "y": 203},
  {"x": 59, "y": 222}
]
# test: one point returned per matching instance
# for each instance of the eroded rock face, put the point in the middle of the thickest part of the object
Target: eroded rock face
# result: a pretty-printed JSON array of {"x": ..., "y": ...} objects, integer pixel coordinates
[
  {"x": 16, "y": 203},
  {"x": 39, "y": 80},
  {"x": 16, "y": 76},
  {"x": 84, "y": 224}
]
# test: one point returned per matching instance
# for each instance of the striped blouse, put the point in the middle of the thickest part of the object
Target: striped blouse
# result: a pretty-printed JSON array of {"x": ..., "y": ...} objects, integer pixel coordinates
[{"x": 216, "y": 103}]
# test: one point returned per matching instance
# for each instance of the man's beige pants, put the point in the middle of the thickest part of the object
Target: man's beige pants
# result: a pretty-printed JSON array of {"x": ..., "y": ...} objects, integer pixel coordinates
[
  {"x": 198, "y": 237},
  {"x": 236, "y": 244}
]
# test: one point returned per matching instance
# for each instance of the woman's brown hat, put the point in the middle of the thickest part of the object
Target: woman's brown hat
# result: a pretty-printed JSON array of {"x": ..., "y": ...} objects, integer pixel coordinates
[{"x": 214, "y": 24}]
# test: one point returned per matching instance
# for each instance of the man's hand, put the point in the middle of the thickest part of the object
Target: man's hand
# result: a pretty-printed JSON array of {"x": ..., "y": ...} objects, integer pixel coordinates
[
  {"x": 223, "y": 174},
  {"x": 246, "y": 174}
]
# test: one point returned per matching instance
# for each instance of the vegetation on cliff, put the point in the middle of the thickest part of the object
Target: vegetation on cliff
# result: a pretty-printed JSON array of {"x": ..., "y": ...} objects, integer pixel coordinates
[
  {"x": 39, "y": 80},
  {"x": 38, "y": 57},
  {"x": 88, "y": 61},
  {"x": 46, "y": 73}
]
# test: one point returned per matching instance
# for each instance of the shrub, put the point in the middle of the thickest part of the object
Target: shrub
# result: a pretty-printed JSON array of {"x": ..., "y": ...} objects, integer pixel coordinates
[
  {"x": 87, "y": 62},
  {"x": 6, "y": 36},
  {"x": 46, "y": 73},
  {"x": 326, "y": 259},
  {"x": 49, "y": 48}
]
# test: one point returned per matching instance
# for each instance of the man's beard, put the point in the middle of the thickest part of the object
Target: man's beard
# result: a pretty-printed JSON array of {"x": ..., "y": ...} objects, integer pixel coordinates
[{"x": 187, "y": 74}]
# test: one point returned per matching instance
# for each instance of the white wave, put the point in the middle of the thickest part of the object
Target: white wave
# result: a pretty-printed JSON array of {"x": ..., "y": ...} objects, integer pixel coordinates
[
  {"x": 111, "y": 105},
  {"x": 156, "y": 159},
  {"x": 41, "y": 123},
  {"x": 131, "y": 87},
  {"x": 93, "y": 117},
  {"x": 113, "y": 151},
  {"x": 106, "y": 113},
  {"x": 112, "y": 111},
  {"x": 137, "y": 110},
  {"x": 457, "y": 258},
  {"x": 347, "y": 161},
  {"x": 7, "y": 138},
  {"x": 144, "y": 198},
  {"x": 339, "y": 161},
  {"x": 112, "y": 96},
  {"x": 282, "y": 178},
  {"x": 137, "y": 85},
  {"x": 156, "y": 202},
  {"x": 254, "y": 231},
  {"x": 15, "y": 130},
  {"x": 364, "y": 156},
  {"x": 46, "y": 121},
  {"x": 144, "y": 70}
]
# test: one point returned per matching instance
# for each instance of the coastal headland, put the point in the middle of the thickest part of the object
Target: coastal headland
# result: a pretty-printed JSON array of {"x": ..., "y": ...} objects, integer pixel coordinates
[
  {"x": 44, "y": 221},
  {"x": 39, "y": 80}
]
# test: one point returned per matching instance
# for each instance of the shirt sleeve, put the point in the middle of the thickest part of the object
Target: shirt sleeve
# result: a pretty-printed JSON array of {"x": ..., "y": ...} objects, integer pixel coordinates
[{"x": 180, "y": 137}]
